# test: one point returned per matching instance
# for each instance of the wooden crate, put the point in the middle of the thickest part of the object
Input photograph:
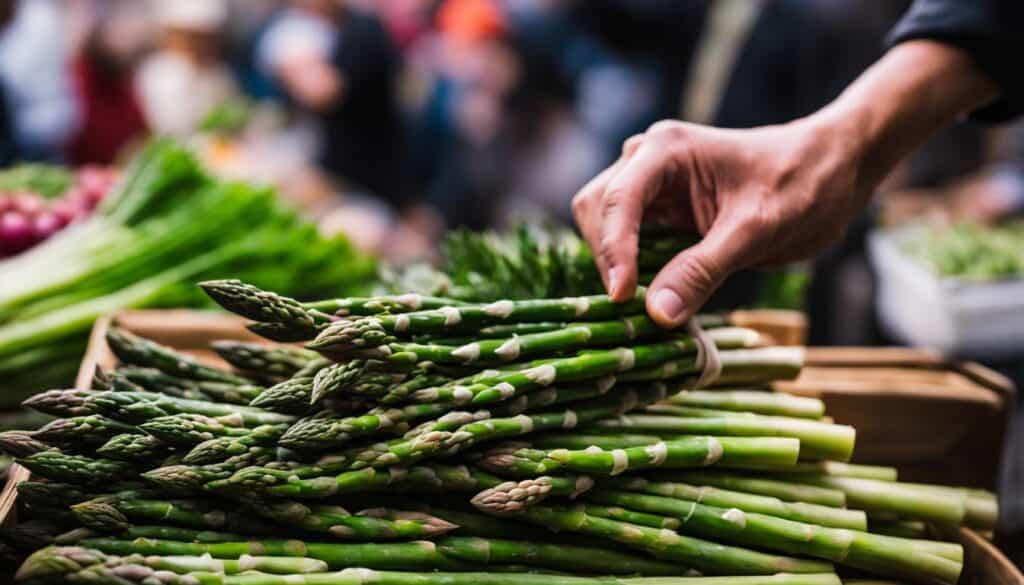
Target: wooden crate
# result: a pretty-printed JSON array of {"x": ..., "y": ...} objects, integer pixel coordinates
[
  {"x": 935, "y": 420},
  {"x": 192, "y": 331}
]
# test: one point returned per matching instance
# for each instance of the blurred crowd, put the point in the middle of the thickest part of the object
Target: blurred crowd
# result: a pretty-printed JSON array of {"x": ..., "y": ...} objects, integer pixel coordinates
[{"x": 428, "y": 114}]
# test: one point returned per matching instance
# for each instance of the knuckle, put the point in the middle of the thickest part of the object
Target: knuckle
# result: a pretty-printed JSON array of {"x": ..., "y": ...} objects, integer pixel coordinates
[
  {"x": 580, "y": 203},
  {"x": 668, "y": 129},
  {"x": 631, "y": 144},
  {"x": 701, "y": 272}
]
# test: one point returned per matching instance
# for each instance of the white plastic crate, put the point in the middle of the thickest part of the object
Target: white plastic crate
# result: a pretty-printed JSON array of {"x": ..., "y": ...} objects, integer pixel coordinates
[{"x": 976, "y": 320}]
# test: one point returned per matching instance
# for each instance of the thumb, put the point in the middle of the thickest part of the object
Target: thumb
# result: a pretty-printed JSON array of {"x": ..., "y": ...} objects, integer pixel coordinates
[{"x": 683, "y": 286}]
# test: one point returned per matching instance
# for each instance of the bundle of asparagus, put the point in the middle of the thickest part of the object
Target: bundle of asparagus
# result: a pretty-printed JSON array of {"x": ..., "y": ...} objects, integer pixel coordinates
[{"x": 419, "y": 441}]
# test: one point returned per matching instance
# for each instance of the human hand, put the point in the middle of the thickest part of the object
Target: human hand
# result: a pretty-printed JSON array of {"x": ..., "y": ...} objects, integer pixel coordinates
[
  {"x": 759, "y": 197},
  {"x": 771, "y": 194}
]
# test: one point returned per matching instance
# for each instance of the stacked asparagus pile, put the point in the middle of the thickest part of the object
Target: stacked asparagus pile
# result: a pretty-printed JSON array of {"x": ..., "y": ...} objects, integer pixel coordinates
[{"x": 418, "y": 440}]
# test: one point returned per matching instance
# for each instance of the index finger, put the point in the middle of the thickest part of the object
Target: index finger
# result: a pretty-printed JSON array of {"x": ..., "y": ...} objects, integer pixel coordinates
[{"x": 625, "y": 199}]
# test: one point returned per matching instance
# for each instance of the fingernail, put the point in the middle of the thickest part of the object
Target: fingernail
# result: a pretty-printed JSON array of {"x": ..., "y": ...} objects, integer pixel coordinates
[
  {"x": 613, "y": 281},
  {"x": 668, "y": 303}
]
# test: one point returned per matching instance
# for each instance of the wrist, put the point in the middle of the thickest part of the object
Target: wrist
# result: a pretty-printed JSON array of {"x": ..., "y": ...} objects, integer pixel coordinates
[{"x": 916, "y": 89}]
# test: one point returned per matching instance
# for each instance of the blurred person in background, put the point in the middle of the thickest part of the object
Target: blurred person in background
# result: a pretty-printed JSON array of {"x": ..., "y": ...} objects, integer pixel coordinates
[
  {"x": 461, "y": 126},
  {"x": 36, "y": 79},
  {"x": 111, "y": 118},
  {"x": 186, "y": 77},
  {"x": 339, "y": 66}
]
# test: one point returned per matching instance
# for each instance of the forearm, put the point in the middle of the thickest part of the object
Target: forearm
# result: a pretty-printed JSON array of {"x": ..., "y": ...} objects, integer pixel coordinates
[{"x": 916, "y": 89}]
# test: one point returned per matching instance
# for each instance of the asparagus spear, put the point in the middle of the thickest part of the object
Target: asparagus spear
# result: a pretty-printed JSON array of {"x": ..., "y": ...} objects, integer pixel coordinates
[
  {"x": 321, "y": 433},
  {"x": 380, "y": 329},
  {"x": 667, "y": 545},
  {"x": 190, "y": 479},
  {"x": 135, "y": 350},
  {"x": 513, "y": 496},
  {"x": 21, "y": 443},
  {"x": 263, "y": 306},
  {"x": 405, "y": 451},
  {"x": 797, "y": 511},
  {"x": 896, "y": 557},
  {"x": 152, "y": 380},
  {"x": 369, "y": 525},
  {"x": 828, "y": 468},
  {"x": 761, "y": 402},
  {"x": 189, "y": 429},
  {"x": 573, "y": 440},
  {"x": 447, "y": 553},
  {"x": 817, "y": 440},
  {"x": 139, "y": 407},
  {"x": 574, "y": 336},
  {"x": 134, "y": 448},
  {"x": 280, "y": 361},
  {"x": 78, "y": 564},
  {"x": 694, "y": 451},
  {"x": 887, "y": 497},
  {"x": 91, "y": 429},
  {"x": 560, "y": 555},
  {"x": 112, "y": 513},
  {"x": 501, "y": 385},
  {"x": 221, "y": 448},
  {"x": 50, "y": 493},
  {"x": 292, "y": 396},
  {"x": 785, "y": 491},
  {"x": 374, "y": 378},
  {"x": 77, "y": 469}
]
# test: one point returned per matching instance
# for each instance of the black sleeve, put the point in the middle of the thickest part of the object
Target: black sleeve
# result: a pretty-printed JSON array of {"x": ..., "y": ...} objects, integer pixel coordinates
[{"x": 991, "y": 31}]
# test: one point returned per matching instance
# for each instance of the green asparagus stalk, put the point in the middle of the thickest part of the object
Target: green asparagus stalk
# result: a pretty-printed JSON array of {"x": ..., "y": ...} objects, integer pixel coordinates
[
  {"x": 81, "y": 431},
  {"x": 280, "y": 361},
  {"x": 448, "y": 553},
  {"x": 370, "y": 525},
  {"x": 138, "y": 407},
  {"x": 705, "y": 556},
  {"x": 292, "y": 396},
  {"x": 693, "y": 451},
  {"x": 264, "y": 306},
  {"x": 135, "y": 350},
  {"x": 561, "y": 555},
  {"x": 77, "y": 564},
  {"x": 190, "y": 479},
  {"x": 219, "y": 449},
  {"x": 760, "y": 402},
  {"x": 573, "y": 337},
  {"x": 405, "y": 451},
  {"x": 887, "y": 497},
  {"x": 828, "y": 468},
  {"x": 134, "y": 448},
  {"x": 785, "y": 491},
  {"x": 189, "y": 429},
  {"x": 322, "y": 433},
  {"x": 796, "y": 511},
  {"x": 77, "y": 469},
  {"x": 499, "y": 385},
  {"x": 896, "y": 557},
  {"x": 152, "y": 380},
  {"x": 817, "y": 440},
  {"x": 21, "y": 443},
  {"x": 373, "y": 331},
  {"x": 51, "y": 493},
  {"x": 514, "y": 496}
]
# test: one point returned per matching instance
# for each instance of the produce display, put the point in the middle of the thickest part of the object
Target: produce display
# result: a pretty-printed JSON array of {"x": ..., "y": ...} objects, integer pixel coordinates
[
  {"x": 423, "y": 440},
  {"x": 166, "y": 224},
  {"x": 37, "y": 201},
  {"x": 971, "y": 251}
]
